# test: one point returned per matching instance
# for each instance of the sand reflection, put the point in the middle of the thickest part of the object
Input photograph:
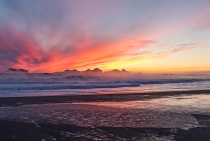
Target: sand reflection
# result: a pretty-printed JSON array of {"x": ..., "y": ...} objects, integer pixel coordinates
[
  {"x": 168, "y": 112},
  {"x": 182, "y": 103}
]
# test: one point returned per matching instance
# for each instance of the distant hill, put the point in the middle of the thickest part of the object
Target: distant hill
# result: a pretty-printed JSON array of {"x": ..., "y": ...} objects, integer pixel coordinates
[
  {"x": 12, "y": 70},
  {"x": 116, "y": 71},
  {"x": 96, "y": 71}
]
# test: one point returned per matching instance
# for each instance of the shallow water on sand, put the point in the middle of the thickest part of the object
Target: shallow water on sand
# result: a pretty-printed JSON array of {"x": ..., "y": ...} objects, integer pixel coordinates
[
  {"x": 179, "y": 104},
  {"x": 167, "y": 112}
]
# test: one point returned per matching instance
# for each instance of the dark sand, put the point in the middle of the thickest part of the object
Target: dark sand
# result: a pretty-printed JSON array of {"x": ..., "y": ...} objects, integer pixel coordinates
[
  {"x": 16, "y": 101},
  {"x": 17, "y": 131},
  {"x": 21, "y": 131}
]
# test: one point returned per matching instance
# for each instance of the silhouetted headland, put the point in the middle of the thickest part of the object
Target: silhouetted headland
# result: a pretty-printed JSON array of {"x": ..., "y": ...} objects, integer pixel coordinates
[{"x": 96, "y": 71}]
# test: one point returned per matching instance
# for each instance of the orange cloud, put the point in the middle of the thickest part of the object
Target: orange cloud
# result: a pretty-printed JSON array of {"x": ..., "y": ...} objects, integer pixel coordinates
[{"x": 56, "y": 48}]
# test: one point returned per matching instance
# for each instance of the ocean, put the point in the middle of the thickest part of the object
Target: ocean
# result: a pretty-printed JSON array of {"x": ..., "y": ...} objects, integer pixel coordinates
[{"x": 22, "y": 86}]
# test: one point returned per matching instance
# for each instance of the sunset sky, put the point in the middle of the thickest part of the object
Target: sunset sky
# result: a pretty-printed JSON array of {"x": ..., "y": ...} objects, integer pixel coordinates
[{"x": 137, "y": 35}]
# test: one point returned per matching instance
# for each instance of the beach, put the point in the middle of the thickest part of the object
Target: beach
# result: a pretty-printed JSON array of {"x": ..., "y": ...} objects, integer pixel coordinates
[
  {"x": 169, "y": 115},
  {"x": 104, "y": 70}
]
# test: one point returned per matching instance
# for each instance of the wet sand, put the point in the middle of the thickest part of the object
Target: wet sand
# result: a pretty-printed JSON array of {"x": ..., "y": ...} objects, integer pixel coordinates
[
  {"x": 16, "y": 101},
  {"x": 167, "y": 116},
  {"x": 19, "y": 131}
]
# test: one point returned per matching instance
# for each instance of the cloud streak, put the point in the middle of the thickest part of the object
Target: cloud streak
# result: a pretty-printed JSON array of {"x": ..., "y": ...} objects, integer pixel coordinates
[{"x": 58, "y": 35}]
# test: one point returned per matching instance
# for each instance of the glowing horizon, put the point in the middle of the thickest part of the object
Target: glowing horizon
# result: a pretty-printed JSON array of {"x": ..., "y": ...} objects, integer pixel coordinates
[{"x": 140, "y": 36}]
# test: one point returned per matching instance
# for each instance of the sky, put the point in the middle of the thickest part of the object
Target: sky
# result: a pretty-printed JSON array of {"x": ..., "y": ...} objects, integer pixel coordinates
[{"x": 149, "y": 36}]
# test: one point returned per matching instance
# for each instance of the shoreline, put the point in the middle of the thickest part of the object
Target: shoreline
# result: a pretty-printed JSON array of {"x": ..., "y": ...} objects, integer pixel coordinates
[
  {"x": 20, "y": 119},
  {"x": 17, "y": 101}
]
